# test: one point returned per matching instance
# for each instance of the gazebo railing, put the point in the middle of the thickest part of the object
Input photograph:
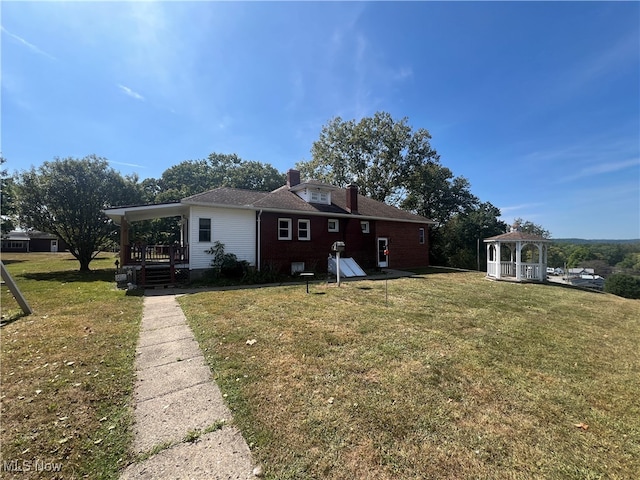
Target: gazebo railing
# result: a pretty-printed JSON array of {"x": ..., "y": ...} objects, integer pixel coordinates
[
  {"x": 508, "y": 269},
  {"x": 530, "y": 270}
]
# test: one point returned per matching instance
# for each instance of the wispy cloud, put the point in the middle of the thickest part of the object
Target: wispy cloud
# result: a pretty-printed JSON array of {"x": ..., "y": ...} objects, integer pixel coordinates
[
  {"x": 29, "y": 45},
  {"x": 602, "y": 168},
  {"x": 516, "y": 208},
  {"x": 131, "y": 93},
  {"x": 135, "y": 165}
]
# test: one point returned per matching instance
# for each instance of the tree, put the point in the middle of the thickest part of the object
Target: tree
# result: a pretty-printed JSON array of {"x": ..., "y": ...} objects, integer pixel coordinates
[
  {"x": 218, "y": 170},
  {"x": 533, "y": 228},
  {"x": 464, "y": 234},
  {"x": 66, "y": 197},
  {"x": 623, "y": 285},
  {"x": 433, "y": 192},
  {"x": 8, "y": 200},
  {"x": 377, "y": 153}
]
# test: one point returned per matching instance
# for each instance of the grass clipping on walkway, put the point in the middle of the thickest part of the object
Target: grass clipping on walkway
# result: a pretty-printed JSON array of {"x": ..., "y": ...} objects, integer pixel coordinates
[
  {"x": 67, "y": 370},
  {"x": 454, "y": 377}
]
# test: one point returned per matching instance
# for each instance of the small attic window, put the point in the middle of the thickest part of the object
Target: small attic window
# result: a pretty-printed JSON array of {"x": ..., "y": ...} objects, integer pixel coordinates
[{"x": 319, "y": 197}]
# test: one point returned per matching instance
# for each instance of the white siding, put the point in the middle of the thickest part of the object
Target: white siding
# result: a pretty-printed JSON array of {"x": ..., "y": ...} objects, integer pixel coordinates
[{"x": 236, "y": 229}]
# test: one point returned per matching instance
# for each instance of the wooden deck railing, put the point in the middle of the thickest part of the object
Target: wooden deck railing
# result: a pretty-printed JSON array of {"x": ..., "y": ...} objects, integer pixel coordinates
[{"x": 156, "y": 254}]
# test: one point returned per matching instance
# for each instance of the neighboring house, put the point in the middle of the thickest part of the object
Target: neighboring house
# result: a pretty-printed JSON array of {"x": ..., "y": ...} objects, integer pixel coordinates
[
  {"x": 289, "y": 229},
  {"x": 585, "y": 278},
  {"x": 32, "y": 241},
  {"x": 577, "y": 272}
]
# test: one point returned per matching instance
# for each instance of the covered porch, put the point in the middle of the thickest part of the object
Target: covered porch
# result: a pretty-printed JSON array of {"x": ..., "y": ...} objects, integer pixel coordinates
[
  {"x": 517, "y": 256},
  {"x": 152, "y": 263}
]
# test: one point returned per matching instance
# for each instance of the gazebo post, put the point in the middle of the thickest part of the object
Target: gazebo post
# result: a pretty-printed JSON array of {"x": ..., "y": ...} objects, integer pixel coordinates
[{"x": 518, "y": 260}]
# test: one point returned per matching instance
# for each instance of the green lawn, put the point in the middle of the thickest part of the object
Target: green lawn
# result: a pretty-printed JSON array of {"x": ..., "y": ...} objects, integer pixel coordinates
[
  {"x": 453, "y": 377},
  {"x": 456, "y": 377},
  {"x": 66, "y": 370}
]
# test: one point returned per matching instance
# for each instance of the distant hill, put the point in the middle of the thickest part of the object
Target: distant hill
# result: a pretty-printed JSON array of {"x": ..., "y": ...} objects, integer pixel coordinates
[{"x": 580, "y": 241}]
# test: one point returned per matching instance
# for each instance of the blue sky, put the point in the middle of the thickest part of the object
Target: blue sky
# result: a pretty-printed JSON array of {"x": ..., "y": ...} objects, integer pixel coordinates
[{"x": 536, "y": 104}]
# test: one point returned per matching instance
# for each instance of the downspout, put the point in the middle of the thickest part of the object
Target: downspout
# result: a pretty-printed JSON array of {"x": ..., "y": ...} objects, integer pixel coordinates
[{"x": 258, "y": 242}]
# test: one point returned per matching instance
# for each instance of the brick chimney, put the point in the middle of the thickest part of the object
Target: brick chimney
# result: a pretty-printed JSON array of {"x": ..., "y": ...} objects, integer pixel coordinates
[
  {"x": 352, "y": 198},
  {"x": 293, "y": 178}
]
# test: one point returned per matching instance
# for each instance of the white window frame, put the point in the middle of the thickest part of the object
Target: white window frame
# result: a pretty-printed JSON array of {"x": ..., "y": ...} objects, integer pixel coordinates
[
  {"x": 201, "y": 230},
  {"x": 421, "y": 236},
  {"x": 307, "y": 230},
  {"x": 336, "y": 227},
  {"x": 288, "y": 228},
  {"x": 319, "y": 197},
  {"x": 365, "y": 227}
]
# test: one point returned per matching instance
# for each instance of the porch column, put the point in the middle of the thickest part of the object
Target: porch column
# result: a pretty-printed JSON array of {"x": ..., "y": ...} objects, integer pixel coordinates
[
  {"x": 498, "y": 259},
  {"x": 542, "y": 262},
  {"x": 184, "y": 231},
  {"x": 124, "y": 241}
]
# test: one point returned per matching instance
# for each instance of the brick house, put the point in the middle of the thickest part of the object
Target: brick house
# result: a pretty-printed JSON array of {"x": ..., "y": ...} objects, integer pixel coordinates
[{"x": 291, "y": 228}]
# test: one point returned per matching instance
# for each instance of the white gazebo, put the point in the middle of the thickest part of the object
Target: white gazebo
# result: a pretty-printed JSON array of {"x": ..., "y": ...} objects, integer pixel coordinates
[{"x": 517, "y": 256}]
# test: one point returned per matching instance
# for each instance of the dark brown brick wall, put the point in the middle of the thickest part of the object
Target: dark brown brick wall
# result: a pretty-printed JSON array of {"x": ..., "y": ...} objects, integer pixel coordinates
[{"x": 405, "y": 250}]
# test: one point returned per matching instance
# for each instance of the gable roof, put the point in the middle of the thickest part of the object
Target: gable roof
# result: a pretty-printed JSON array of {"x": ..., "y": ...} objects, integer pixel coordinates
[
  {"x": 284, "y": 200},
  {"x": 517, "y": 236}
]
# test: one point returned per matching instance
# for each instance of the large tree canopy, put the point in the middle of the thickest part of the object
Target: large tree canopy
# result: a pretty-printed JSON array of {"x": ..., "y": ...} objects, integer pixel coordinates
[
  {"x": 66, "y": 197},
  {"x": 217, "y": 170},
  {"x": 377, "y": 153}
]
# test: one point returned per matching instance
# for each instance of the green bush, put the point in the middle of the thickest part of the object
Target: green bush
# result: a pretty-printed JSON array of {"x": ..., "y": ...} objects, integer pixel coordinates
[
  {"x": 225, "y": 264},
  {"x": 623, "y": 285}
]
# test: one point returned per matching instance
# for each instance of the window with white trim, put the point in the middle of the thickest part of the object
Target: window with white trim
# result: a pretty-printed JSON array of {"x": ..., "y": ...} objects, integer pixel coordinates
[
  {"x": 319, "y": 197},
  {"x": 421, "y": 236},
  {"x": 204, "y": 229},
  {"x": 284, "y": 229},
  {"x": 304, "y": 229},
  {"x": 334, "y": 225},
  {"x": 364, "y": 225}
]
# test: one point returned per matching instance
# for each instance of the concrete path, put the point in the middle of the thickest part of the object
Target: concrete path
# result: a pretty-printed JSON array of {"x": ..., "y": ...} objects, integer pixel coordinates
[{"x": 176, "y": 399}]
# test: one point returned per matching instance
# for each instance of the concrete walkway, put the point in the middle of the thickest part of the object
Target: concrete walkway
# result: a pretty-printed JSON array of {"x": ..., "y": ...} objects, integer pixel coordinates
[{"x": 176, "y": 400}]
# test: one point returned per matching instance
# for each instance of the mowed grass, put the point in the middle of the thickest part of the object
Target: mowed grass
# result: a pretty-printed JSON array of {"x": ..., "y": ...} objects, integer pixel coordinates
[
  {"x": 66, "y": 370},
  {"x": 455, "y": 377}
]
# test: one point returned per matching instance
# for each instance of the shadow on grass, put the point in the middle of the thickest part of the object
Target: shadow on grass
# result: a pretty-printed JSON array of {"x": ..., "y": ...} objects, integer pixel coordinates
[
  {"x": 11, "y": 260},
  {"x": 440, "y": 270},
  {"x": 12, "y": 318},
  {"x": 66, "y": 276}
]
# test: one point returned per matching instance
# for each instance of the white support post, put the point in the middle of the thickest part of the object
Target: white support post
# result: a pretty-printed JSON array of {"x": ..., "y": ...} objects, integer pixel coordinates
[
  {"x": 338, "y": 267},
  {"x": 518, "y": 260}
]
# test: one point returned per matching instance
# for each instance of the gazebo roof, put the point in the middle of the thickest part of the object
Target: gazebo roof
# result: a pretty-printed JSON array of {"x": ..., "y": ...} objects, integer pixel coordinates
[{"x": 517, "y": 236}]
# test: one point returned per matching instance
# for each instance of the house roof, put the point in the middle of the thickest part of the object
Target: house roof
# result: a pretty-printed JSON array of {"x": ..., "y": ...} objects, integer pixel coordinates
[
  {"x": 283, "y": 199},
  {"x": 517, "y": 236},
  {"x": 136, "y": 213}
]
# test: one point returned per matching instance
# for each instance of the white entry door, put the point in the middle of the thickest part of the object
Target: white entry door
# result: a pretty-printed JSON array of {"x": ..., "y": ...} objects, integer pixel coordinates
[
  {"x": 383, "y": 248},
  {"x": 54, "y": 246}
]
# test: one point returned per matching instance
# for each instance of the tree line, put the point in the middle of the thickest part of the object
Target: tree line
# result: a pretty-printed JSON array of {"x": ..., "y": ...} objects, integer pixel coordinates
[{"x": 387, "y": 159}]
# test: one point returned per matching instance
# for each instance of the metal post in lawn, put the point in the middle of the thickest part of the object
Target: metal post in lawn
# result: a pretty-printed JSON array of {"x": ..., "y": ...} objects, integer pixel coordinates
[
  {"x": 338, "y": 267},
  {"x": 386, "y": 291},
  {"x": 15, "y": 291}
]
